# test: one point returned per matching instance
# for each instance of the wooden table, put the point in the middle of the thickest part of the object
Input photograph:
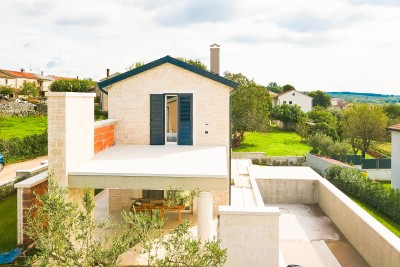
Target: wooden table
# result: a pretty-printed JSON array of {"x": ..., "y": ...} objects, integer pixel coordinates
[{"x": 162, "y": 208}]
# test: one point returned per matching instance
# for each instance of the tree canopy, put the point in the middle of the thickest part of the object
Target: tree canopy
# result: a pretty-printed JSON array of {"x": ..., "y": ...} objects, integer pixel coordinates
[
  {"x": 288, "y": 87},
  {"x": 194, "y": 62},
  {"x": 29, "y": 89},
  {"x": 250, "y": 106},
  {"x": 320, "y": 98},
  {"x": 364, "y": 123},
  {"x": 274, "y": 87},
  {"x": 287, "y": 113}
]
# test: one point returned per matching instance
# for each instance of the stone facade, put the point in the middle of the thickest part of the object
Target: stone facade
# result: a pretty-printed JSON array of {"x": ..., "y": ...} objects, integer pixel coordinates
[
  {"x": 121, "y": 199},
  {"x": 70, "y": 131},
  {"x": 129, "y": 104}
]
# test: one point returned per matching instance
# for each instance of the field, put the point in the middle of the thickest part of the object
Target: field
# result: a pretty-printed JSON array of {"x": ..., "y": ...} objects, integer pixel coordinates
[
  {"x": 17, "y": 127},
  {"x": 274, "y": 143}
]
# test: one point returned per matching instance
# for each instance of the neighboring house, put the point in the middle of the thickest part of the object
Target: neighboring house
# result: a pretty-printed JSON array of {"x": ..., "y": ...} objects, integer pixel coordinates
[
  {"x": 395, "y": 131},
  {"x": 16, "y": 79},
  {"x": 294, "y": 97},
  {"x": 103, "y": 95}
]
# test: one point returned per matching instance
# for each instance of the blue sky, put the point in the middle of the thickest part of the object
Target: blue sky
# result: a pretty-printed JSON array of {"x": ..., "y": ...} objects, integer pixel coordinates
[{"x": 330, "y": 45}]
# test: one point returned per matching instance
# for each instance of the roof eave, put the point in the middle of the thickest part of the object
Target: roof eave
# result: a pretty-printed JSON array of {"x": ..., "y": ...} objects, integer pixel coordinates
[{"x": 158, "y": 62}]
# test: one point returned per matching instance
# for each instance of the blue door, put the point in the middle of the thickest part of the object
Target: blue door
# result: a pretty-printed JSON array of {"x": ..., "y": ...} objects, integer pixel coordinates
[
  {"x": 157, "y": 132},
  {"x": 185, "y": 119}
]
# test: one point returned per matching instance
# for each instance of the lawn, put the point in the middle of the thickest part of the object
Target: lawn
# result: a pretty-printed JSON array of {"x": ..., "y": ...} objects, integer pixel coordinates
[
  {"x": 276, "y": 142},
  {"x": 8, "y": 224},
  {"x": 17, "y": 127}
]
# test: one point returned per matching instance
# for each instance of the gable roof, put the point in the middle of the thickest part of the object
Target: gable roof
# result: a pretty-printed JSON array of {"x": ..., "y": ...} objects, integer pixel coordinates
[
  {"x": 395, "y": 128},
  {"x": 284, "y": 93},
  {"x": 158, "y": 62},
  {"x": 20, "y": 74}
]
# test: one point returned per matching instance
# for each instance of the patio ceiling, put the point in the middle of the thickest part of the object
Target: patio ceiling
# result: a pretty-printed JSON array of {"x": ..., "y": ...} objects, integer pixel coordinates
[{"x": 154, "y": 167}]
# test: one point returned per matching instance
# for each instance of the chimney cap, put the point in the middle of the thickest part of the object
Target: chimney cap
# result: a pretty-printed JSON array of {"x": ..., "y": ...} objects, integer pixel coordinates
[{"x": 215, "y": 45}]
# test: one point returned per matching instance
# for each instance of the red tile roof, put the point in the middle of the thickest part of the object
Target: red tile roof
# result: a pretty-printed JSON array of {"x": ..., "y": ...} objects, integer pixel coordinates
[
  {"x": 20, "y": 74},
  {"x": 61, "y": 78},
  {"x": 395, "y": 128}
]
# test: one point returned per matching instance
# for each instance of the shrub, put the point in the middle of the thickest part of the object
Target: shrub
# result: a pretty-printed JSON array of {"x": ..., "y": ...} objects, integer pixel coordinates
[
  {"x": 100, "y": 114},
  {"x": 354, "y": 183},
  {"x": 76, "y": 85},
  {"x": 24, "y": 148},
  {"x": 325, "y": 145}
]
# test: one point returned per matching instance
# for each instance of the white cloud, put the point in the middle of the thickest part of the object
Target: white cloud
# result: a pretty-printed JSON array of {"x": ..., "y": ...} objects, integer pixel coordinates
[{"x": 332, "y": 45}]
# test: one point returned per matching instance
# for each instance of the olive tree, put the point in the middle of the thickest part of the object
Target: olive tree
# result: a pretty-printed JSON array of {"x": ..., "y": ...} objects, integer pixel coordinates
[
  {"x": 64, "y": 235},
  {"x": 364, "y": 123}
]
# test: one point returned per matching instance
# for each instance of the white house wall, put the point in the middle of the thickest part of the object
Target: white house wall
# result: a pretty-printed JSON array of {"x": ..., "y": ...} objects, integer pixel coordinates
[
  {"x": 129, "y": 104},
  {"x": 304, "y": 101}
]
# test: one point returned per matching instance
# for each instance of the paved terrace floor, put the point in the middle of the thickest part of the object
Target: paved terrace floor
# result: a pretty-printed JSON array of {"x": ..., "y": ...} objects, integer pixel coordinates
[{"x": 307, "y": 236}]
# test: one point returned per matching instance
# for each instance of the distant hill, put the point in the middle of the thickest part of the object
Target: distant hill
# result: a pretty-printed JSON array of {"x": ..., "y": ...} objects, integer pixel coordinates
[{"x": 366, "y": 97}]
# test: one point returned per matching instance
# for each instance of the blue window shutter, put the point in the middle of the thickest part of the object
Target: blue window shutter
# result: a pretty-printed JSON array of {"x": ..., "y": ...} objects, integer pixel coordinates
[
  {"x": 185, "y": 119},
  {"x": 157, "y": 132}
]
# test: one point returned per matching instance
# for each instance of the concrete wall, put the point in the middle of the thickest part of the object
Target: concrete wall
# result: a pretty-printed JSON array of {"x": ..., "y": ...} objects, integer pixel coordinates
[
  {"x": 70, "y": 132},
  {"x": 104, "y": 135},
  {"x": 250, "y": 235},
  {"x": 395, "y": 160},
  {"x": 297, "y": 98},
  {"x": 129, "y": 104},
  {"x": 381, "y": 174},
  {"x": 322, "y": 164},
  {"x": 288, "y": 191},
  {"x": 377, "y": 245}
]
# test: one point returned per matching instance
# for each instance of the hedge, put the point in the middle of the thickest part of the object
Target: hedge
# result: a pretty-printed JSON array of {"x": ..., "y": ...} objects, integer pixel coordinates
[
  {"x": 8, "y": 189},
  {"x": 356, "y": 184},
  {"x": 17, "y": 149},
  {"x": 75, "y": 85}
]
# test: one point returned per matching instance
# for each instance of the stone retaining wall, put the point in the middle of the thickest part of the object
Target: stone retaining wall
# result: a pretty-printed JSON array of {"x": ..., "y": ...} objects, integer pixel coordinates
[{"x": 22, "y": 109}]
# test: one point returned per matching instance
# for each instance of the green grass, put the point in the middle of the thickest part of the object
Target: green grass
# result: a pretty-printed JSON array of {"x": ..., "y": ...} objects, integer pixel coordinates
[
  {"x": 17, "y": 127},
  {"x": 379, "y": 216},
  {"x": 274, "y": 143},
  {"x": 8, "y": 224}
]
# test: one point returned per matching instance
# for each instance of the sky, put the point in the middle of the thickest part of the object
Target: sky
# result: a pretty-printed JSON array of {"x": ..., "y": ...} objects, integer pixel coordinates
[{"x": 328, "y": 45}]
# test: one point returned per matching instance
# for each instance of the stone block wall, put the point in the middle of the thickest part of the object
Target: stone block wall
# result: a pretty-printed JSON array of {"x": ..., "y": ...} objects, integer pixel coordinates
[
  {"x": 250, "y": 235},
  {"x": 104, "y": 135},
  {"x": 121, "y": 199},
  {"x": 129, "y": 104}
]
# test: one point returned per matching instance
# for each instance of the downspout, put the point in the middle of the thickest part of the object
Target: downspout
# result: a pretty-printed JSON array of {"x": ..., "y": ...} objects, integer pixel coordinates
[{"x": 230, "y": 148}]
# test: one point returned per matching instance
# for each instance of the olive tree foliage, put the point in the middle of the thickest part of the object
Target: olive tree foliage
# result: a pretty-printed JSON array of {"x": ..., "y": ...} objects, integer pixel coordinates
[
  {"x": 323, "y": 121},
  {"x": 29, "y": 89},
  {"x": 364, "y": 123},
  {"x": 64, "y": 234},
  {"x": 250, "y": 106},
  {"x": 320, "y": 99},
  {"x": 324, "y": 145}
]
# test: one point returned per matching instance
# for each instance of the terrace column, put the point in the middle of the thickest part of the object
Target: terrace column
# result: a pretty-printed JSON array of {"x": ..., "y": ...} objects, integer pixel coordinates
[
  {"x": 205, "y": 215},
  {"x": 70, "y": 134},
  {"x": 395, "y": 159}
]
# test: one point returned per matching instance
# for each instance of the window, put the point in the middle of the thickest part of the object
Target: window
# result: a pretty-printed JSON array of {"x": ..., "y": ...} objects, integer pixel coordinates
[
  {"x": 290, "y": 102},
  {"x": 293, "y": 94},
  {"x": 284, "y": 102},
  {"x": 6, "y": 81}
]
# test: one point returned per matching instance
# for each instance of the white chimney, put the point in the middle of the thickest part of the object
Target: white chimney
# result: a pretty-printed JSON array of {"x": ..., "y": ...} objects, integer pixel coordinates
[{"x": 214, "y": 58}]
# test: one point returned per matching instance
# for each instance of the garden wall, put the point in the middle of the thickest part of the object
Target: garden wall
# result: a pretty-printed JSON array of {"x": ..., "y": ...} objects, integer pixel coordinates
[
  {"x": 270, "y": 160},
  {"x": 321, "y": 164},
  {"x": 22, "y": 109}
]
